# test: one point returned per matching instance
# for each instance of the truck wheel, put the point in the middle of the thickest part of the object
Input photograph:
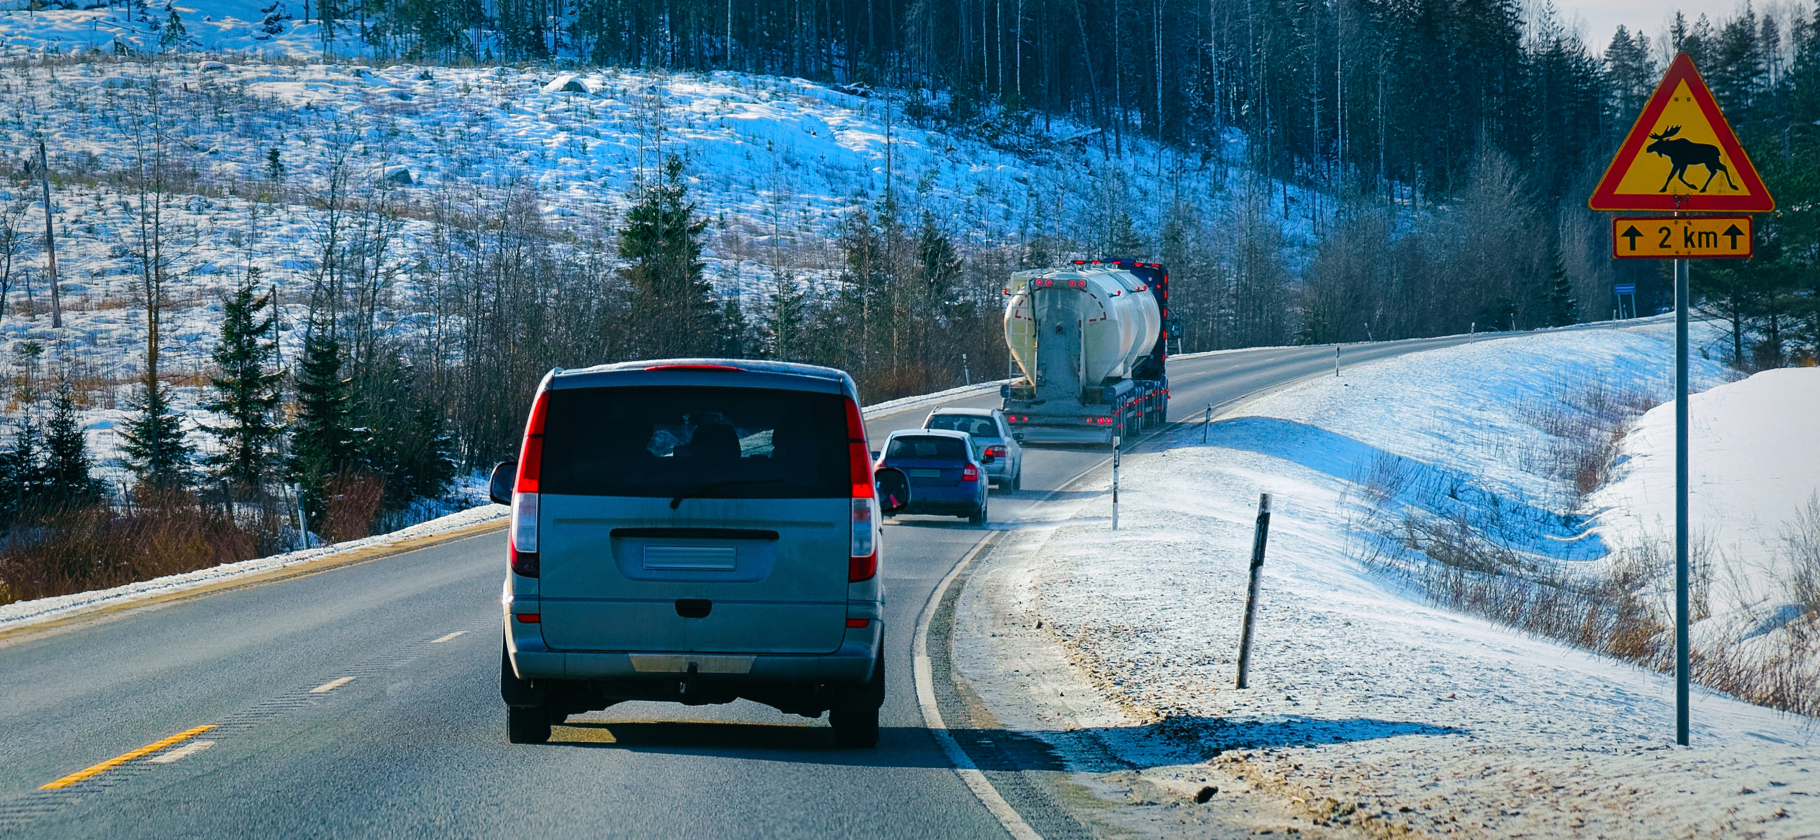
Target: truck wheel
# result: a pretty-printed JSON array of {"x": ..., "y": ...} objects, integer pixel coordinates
[
  {"x": 528, "y": 724},
  {"x": 855, "y": 716}
]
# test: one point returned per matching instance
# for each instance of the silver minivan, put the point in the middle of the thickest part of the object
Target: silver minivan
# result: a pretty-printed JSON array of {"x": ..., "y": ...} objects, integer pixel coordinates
[{"x": 696, "y": 531}]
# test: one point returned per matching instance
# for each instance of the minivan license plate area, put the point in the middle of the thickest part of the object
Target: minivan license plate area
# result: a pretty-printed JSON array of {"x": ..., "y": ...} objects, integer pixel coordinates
[{"x": 690, "y": 558}]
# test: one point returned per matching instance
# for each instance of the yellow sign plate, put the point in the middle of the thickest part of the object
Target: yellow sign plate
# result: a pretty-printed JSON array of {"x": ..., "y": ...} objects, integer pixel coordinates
[{"x": 1684, "y": 238}]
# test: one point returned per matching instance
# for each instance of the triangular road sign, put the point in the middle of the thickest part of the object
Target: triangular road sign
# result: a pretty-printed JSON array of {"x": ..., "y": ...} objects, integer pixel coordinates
[{"x": 1682, "y": 155}]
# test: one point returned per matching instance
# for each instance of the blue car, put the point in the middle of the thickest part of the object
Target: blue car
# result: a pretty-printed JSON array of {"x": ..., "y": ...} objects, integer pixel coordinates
[{"x": 945, "y": 479}]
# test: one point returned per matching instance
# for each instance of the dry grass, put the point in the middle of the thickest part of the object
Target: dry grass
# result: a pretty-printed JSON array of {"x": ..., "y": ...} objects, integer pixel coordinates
[{"x": 97, "y": 548}]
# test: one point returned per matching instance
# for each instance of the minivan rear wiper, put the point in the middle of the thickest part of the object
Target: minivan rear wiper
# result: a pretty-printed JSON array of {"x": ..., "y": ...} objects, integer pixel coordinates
[{"x": 697, "y": 491}]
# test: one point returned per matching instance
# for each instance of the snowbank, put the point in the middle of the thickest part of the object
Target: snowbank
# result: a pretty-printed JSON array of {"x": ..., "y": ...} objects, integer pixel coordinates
[{"x": 1367, "y": 705}]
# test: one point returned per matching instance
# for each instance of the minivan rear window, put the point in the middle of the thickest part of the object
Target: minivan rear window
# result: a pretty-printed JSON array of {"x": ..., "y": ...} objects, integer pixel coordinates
[
  {"x": 931, "y": 447},
  {"x": 709, "y": 442}
]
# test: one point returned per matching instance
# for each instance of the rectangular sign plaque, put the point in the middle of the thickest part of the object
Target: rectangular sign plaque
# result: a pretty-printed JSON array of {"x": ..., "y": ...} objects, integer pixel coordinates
[{"x": 1683, "y": 238}]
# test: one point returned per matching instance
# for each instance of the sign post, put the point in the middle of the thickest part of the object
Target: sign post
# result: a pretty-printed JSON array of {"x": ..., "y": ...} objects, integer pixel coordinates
[{"x": 1681, "y": 132}]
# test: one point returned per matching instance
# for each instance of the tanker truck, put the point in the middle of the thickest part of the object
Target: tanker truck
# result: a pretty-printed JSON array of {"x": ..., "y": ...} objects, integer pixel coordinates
[{"x": 1089, "y": 339}]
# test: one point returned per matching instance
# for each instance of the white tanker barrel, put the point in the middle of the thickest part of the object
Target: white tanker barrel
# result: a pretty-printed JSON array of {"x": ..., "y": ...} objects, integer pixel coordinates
[{"x": 1079, "y": 327}]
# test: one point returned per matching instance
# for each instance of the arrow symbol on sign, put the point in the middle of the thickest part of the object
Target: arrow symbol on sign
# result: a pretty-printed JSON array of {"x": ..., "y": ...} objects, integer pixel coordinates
[
  {"x": 1632, "y": 234},
  {"x": 1734, "y": 233}
]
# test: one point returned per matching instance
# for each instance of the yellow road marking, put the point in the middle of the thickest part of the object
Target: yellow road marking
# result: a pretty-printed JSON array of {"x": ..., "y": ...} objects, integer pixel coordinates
[
  {"x": 111, "y": 763},
  {"x": 448, "y": 637},
  {"x": 331, "y": 685}
]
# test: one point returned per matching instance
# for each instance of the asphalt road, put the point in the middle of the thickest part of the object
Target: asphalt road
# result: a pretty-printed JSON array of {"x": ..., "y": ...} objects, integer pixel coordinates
[{"x": 413, "y": 745}]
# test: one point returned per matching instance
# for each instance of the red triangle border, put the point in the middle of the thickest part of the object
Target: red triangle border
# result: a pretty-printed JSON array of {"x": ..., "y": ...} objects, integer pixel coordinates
[{"x": 1605, "y": 196}]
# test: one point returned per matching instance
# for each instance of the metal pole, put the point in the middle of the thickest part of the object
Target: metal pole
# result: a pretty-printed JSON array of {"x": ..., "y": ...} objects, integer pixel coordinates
[
  {"x": 1208, "y": 423},
  {"x": 966, "y": 375},
  {"x": 1336, "y": 361},
  {"x": 1681, "y": 640},
  {"x": 1115, "y": 482},
  {"x": 303, "y": 531},
  {"x": 1251, "y": 597}
]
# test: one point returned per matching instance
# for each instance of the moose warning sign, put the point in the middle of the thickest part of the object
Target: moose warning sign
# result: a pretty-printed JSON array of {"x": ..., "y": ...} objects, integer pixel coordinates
[{"x": 1682, "y": 155}]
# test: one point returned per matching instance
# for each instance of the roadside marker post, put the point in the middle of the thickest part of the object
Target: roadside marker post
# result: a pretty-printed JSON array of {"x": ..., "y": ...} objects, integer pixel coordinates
[
  {"x": 1679, "y": 129},
  {"x": 1115, "y": 482},
  {"x": 1207, "y": 424},
  {"x": 1258, "y": 539}
]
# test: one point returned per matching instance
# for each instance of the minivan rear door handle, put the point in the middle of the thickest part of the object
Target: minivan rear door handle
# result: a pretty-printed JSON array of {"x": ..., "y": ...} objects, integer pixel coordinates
[{"x": 694, "y": 607}]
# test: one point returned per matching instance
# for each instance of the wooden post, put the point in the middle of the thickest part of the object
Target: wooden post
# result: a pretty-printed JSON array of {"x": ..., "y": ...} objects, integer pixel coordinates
[
  {"x": 1251, "y": 599},
  {"x": 50, "y": 239}
]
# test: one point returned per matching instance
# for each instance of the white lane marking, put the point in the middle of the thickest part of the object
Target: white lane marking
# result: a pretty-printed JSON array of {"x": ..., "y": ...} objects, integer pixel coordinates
[
  {"x": 188, "y": 749},
  {"x": 932, "y": 717},
  {"x": 448, "y": 637},
  {"x": 331, "y": 685}
]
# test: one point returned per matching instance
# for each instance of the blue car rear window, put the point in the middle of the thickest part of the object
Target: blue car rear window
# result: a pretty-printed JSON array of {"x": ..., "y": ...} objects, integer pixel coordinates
[
  {"x": 660, "y": 441},
  {"x": 930, "y": 448}
]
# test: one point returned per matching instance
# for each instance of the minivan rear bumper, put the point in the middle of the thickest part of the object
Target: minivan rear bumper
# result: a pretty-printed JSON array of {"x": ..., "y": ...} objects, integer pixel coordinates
[{"x": 852, "y": 662}]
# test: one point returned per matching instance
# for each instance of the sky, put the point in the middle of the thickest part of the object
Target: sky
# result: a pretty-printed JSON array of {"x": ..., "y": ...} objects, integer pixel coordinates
[{"x": 1600, "y": 18}]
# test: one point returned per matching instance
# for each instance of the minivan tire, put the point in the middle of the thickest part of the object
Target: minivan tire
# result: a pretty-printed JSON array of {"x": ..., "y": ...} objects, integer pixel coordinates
[
  {"x": 855, "y": 716},
  {"x": 528, "y": 724}
]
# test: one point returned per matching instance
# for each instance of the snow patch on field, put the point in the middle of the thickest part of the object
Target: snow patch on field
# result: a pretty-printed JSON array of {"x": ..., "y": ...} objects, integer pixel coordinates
[{"x": 1367, "y": 705}]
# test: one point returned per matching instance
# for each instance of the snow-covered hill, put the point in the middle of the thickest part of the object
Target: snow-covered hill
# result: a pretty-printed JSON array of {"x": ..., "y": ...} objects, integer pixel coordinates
[{"x": 263, "y": 142}]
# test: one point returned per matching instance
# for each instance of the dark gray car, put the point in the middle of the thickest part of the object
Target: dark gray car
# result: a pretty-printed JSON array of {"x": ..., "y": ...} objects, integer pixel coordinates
[{"x": 696, "y": 531}]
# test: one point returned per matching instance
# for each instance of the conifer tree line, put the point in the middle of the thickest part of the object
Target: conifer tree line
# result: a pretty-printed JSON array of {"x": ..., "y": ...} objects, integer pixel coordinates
[{"x": 1376, "y": 107}]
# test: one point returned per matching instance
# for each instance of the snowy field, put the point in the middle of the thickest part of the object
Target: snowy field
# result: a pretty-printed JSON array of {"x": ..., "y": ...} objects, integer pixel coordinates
[{"x": 1368, "y": 706}]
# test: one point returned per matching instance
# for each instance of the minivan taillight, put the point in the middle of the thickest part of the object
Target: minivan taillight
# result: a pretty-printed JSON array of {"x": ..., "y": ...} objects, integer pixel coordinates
[
  {"x": 862, "y": 554},
  {"x": 524, "y": 494}
]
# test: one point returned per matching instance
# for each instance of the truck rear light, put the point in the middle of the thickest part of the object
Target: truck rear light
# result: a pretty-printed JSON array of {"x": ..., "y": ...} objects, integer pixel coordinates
[
  {"x": 970, "y": 473},
  {"x": 862, "y": 553}
]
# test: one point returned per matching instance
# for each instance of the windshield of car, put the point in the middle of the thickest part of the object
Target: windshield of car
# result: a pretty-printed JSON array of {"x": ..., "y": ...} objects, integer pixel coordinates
[
  {"x": 711, "y": 442},
  {"x": 981, "y": 427},
  {"x": 927, "y": 447}
]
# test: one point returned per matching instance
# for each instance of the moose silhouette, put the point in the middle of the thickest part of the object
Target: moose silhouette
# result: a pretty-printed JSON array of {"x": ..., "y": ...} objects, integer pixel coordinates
[{"x": 1682, "y": 153}]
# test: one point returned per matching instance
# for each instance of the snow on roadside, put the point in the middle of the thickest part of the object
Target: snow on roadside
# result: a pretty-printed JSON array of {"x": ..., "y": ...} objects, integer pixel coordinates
[{"x": 1368, "y": 706}]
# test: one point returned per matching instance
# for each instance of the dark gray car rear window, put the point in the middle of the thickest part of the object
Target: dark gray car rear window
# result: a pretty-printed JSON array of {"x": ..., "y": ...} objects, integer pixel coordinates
[
  {"x": 930, "y": 447},
  {"x": 979, "y": 427},
  {"x": 658, "y": 441}
]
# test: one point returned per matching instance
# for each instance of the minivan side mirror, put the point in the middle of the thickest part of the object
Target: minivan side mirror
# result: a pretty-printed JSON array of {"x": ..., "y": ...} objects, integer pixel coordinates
[
  {"x": 893, "y": 489},
  {"x": 499, "y": 486},
  {"x": 987, "y": 458}
]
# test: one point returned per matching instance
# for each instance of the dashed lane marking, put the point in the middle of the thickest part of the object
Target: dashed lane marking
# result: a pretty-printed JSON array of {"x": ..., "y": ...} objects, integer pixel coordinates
[
  {"x": 116, "y": 761},
  {"x": 448, "y": 637},
  {"x": 331, "y": 685},
  {"x": 188, "y": 749}
]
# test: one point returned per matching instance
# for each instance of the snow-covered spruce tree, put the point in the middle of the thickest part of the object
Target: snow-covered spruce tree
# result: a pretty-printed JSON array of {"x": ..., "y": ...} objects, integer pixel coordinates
[
  {"x": 324, "y": 443},
  {"x": 408, "y": 442},
  {"x": 246, "y": 393},
  {"x": 673, "y": 310},
  {"x": 68, "y": 482},
  {"x": 784, "y": 319},
  {"x": 21, "y": 473},
  {"x": 174, "y": 32},
  {"x": 152, "y": 438},
  {"x": 1559, "y": 304}
]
